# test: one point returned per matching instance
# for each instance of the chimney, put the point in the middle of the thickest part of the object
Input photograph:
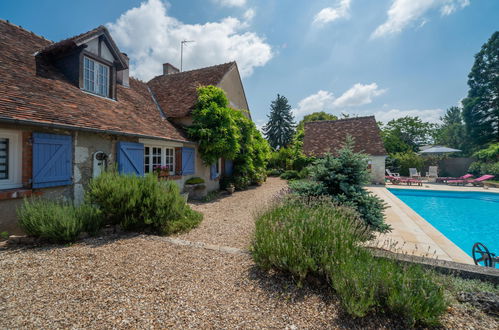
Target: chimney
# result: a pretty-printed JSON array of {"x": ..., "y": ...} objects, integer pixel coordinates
[
  {"x": 122, "y": 76},
  {"x": 169, "y": 69}
]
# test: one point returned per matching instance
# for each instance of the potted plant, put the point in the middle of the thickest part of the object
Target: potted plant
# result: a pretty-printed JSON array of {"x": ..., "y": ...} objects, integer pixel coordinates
[
  {"x": 162, "y": 172},
  {"x": 230, "y": 188}
]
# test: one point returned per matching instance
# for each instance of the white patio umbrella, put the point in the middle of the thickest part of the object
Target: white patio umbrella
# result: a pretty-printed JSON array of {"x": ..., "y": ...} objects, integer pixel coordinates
[{"x": 438, "y": 150}]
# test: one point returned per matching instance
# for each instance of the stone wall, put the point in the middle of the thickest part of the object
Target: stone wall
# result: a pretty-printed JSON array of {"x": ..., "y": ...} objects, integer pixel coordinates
[{"x": 377, "y": 169}]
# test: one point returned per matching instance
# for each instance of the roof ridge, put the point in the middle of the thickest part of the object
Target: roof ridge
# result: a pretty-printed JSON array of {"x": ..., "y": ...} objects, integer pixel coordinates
[
  {"x": 6, "y": 21},
  {"x": 342, "y": 119},
  {"x": 198, "y": 69}
]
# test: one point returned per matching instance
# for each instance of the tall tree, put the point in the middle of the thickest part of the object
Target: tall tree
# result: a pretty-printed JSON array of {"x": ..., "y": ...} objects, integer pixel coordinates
[
  {"x": 280, "y": 128},
  {"x": 406, "y": 134},
  {"x": 481, "y": 107},
  {"x": 452, "y": 132}
]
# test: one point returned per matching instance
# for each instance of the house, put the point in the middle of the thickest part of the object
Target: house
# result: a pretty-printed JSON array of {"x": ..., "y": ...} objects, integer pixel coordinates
[
  {"x": 69, "y": 110},
  {"x": 329, "y": 136}
]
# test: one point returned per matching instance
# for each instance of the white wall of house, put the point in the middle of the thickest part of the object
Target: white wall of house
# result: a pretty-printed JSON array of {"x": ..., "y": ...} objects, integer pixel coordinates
[{"x": 377, "y": 169}]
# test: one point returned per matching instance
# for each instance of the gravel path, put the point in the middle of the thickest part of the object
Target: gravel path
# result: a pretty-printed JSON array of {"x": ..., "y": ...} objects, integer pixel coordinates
[
  {"x": 229, "y": 220},
  {"x": 139, "y": 281}
]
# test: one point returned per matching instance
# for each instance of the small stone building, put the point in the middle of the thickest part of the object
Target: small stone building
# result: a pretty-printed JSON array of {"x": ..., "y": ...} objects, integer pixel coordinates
[{"x": 329, "y": 136}]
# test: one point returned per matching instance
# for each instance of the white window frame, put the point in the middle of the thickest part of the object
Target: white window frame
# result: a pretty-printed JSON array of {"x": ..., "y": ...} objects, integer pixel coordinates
[
  {"x": 163, "y": 157},
  {"x": 96, "y": 77},
  {"x": 219, "y": 165},
  {"x": 14, "y": 156}
]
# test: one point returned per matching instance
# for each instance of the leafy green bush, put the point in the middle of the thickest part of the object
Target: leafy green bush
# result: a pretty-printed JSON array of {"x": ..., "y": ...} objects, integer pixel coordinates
[
  {"x": 402, "y": 161},
  {"x": 482, "y": 168},
  {"x": 194, "y": 180},
  {"x": 290, "y": 175},
  {"x": 319, "y": 237},
  {"x": 491, "y": 153},
  {"x": 56, "y": 221},
  {"x": 308, "y": 188},
  {"x": 140, "y": 203},
  {"x": 343, "y": 178},
  {"x": 274, "y": 172}
]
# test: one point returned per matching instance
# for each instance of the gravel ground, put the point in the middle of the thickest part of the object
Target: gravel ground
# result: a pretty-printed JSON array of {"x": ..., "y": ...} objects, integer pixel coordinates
[
  {"x": 139, "y": 281},
  {"x": 229, "y": 220}
]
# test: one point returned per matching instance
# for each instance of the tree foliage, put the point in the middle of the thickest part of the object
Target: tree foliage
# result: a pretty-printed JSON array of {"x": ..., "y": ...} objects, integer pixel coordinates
[
  {"x": 226, "y": 133},
  {"x": 214, "y": 126},
  {"x": 280, "y": 128},
  {"x": 452, "y": 131},
  {"x": 481, "y": 107},
  {"x": 406, "y": 134}
]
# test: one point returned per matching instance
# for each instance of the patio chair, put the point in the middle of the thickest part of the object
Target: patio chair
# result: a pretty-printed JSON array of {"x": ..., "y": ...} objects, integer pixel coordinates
[
  {"x": 390, "y": 173},
  {"x": 432, "y": 172},
  {"x": 414, "y": 173},
  {"x": 475, "y": 182}
]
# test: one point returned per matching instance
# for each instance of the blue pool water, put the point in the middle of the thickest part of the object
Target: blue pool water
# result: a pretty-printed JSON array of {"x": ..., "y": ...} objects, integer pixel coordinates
[{"x": 463, "y": 217}]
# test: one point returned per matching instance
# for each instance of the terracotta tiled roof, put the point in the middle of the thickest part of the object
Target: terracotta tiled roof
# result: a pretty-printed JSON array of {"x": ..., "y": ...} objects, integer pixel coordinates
[
  {"x": 176, "y": 92},
  {"x": 330, "y": 135},
  {"x": 47, "y": 98}
]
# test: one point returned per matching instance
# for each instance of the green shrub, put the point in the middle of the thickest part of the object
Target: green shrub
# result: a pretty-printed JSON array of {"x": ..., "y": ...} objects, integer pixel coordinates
[
  {"x": 482, "y": 168},
  {"x": 4, "y": 235},
  {"x": 317, "y": 236},
  {"x": 290, "y": 175},
  {"x": 402, "y": 161},
  {"x": 343, "y": 178},
  {"x": 140, "y": 203},
  {"x": 307, "y": 188},
  {"x": 56, "y": 221},
  {"x": 274, "y": 172},
  {"x": 194, "y": 180}
]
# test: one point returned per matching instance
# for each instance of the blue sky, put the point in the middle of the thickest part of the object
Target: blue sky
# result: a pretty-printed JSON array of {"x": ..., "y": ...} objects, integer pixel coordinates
[{"x": 386, "y": 57}]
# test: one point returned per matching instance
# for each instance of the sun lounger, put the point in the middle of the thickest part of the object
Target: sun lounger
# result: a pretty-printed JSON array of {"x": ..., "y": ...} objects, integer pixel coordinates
[
  {"x": 414, "y": 173},
  {"x": 390, "y": 173},
  {"x": 409, "y": 181},
  {"x": 475, "y": 182},
  {"x": 447, "y": 178}
]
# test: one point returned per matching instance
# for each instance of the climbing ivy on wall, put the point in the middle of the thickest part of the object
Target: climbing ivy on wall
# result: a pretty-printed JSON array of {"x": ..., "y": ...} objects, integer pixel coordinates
[{"x": 224, "y": 132}]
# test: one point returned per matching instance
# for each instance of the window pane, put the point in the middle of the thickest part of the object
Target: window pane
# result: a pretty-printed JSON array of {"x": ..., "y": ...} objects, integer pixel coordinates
[
  {"x": 88, "y": 75},
  {"x": 169, "y": 154},
  {"x": 4, "y": 158},
  {"x": 102, "y": 80}
]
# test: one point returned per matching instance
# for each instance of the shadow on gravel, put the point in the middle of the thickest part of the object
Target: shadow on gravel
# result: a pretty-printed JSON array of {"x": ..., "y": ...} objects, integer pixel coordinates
[{"x": 280, "y": 285}]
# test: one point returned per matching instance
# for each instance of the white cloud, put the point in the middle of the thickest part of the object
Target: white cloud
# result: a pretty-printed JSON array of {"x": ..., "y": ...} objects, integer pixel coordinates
[
  {"x": 428, "y": 115},
  {"x": 357, "y": 95},
  {"x": 330, "y": 14},
  {"x": 150, "y": 38},
  {"x": 230, "y": 3},
  {"x": 249, "y": 14},
  {"x": 404, "y": 13}
]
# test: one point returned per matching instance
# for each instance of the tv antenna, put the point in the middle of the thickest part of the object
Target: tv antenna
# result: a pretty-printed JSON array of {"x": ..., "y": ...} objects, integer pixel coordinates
[{"x": 182, "y": 43}]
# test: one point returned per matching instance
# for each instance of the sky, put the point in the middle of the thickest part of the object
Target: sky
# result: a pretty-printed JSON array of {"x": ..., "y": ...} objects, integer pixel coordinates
[{"x": 388, "y": 58}]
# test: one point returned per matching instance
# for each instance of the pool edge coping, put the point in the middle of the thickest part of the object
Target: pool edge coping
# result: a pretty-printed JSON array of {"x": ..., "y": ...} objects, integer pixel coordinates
[{"x": 454, "y": 252}]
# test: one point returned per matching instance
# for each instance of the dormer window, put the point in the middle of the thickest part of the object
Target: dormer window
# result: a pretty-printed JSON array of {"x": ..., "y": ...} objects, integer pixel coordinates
[{"x": 96, "y": 77}]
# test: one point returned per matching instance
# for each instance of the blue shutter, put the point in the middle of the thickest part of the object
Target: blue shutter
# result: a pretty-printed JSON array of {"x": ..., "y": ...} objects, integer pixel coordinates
[
  {"x": 229, "y": 167},
  {"x": 130, "y": 158},
  {"x": 52, "y": 155},
  {"x": 188, "y": 159}
]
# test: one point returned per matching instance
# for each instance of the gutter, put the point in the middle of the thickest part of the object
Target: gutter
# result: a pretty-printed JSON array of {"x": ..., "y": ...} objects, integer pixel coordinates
[{"x": 87, "y": 129}]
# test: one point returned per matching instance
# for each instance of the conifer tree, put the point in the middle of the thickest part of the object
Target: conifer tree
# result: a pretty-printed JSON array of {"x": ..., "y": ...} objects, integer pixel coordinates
[{"x": 280, "y": 128}]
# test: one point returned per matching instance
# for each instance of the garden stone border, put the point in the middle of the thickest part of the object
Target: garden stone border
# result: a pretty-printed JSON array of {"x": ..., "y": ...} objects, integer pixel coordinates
[{"x": 465, "y": 271}]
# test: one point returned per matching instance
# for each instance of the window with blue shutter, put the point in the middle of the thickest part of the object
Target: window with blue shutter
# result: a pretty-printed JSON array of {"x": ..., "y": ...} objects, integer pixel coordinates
[
  {"x": 130, "y": 157},
  {"x": 229, "y": 167},
  {"x": 213, "y": 171},
  {"x": 52, "y": 160},
  {"x": 188, "y": 161}
]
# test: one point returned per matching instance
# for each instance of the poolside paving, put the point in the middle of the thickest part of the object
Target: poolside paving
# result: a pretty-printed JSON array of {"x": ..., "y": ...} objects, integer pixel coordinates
[{"x": 411, "y": 233}]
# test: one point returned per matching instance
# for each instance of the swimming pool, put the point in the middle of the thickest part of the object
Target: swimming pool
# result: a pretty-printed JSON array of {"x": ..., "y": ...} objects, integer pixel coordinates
[{"x": 463, "y": 217}]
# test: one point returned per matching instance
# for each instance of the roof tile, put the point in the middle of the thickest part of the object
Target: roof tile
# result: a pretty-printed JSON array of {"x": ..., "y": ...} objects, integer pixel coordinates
[
  {"x": 51, "y": 99},
  {"x": 330, "y": 135}
]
